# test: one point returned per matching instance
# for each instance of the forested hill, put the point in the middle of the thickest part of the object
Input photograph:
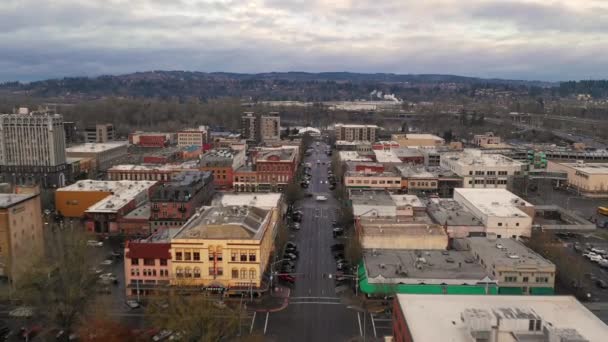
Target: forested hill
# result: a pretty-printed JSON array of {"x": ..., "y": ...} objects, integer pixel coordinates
[{"x": 266, "y": 86}]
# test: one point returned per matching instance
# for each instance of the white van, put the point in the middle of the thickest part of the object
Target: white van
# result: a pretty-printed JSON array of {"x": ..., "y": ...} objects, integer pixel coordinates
[{"x": 321, "y": 198}]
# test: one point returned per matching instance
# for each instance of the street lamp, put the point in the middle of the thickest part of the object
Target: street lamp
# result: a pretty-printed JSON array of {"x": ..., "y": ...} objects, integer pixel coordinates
[{"x": 272, "y": 271}]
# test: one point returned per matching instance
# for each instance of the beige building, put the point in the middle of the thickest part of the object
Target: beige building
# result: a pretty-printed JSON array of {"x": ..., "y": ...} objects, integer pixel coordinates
[
  {"x": 391, "y": 234},
  {"x": 21, "y": 232},
  {"x": 512, "y": 264},
  {"x": 487, "y": 140},
  {"x": 193, "y": 137},
  {"x": 590, "y": 179},
  {"x": 384, "y": 180},
  {"x": 417, "y": 140},
  {"x": 100, "y": 133},
  {"x": 270, "y": 127},
  {"x": 103, "y": 155},
  {"x": 356, "y": 132},
  {"x": 225, "y": 248},
  {"x": 480, "y": 170},
  {"x": 501, "y": 212}
]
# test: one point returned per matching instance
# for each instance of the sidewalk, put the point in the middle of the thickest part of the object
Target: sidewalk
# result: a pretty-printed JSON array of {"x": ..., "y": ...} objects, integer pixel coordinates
[{"x": 276, "y": 301}]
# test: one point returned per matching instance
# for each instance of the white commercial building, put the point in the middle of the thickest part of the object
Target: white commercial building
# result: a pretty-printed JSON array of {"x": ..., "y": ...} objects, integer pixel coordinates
[
  {"x": 480, "y": 170},
  {"x": 500, "y": 211},
  {"x": 466, "y": 318}
]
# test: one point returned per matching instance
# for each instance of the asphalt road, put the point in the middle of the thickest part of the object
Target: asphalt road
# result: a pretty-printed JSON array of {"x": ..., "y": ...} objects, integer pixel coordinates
[{"x": 315, "y": 312}]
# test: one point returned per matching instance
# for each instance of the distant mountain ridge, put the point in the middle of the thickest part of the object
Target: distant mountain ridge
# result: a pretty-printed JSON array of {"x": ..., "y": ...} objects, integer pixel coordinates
[{"x": 271, "y": 85}]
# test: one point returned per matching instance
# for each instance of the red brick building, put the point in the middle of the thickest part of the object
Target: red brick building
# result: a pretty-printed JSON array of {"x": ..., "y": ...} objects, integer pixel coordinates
[
  {"x": 147, "y": 264},
  {"x": 401, "y": 332},
  {"x": 173, "y": 203},
  {"x": 222, "y": 163},
  {"x": 273, "y": 169},
  {"x": 151, "y": 139},
  {"x": 365, "y": 167}
]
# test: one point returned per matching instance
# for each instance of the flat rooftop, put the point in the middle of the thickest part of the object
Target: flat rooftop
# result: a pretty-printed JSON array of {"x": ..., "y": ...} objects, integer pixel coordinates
[
  {"x": 494, "y": 202},
  {"x": 420, "y": 171},
  {"x": 402, "y": 200},
  {"x": 589, "y": 168},
  {"x": 386, "y": 157},
  {"x": 353, "y": 143},
  {"x": 122, "y": 192},
  {"x": 452, "y": 213},
  {"x": 418, "y": 136},
  {"x": 430, "y": 319},
  {"x": 96, "y": 147},
  {"x": 400, "y": 229},
  {"x": 505, "y": 252},
  {"x": 476, "y": 157},
  {"x": 355, "y": 125},
  {"x": 152, "y": 167},
  {"x": 353, "y": 156},
  {"x": 370, "y": 197},
  {"x": 9, "y": 200},
  {"x": 282, "y": 154},
  {"x": 261, "y": 200},
  {"x": 231, "y": 222},
  {"x": 139, "y": 213},
  {"x": 421, "y": 266}
]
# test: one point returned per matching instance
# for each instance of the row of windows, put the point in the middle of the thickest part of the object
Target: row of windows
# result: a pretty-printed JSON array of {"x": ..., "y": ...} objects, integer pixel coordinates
[
  {"x": 148, "y": 262},
  {"x": 488, "y": 181},
  {"x": 489, "y": 173},
  {"x": 149, "y": 272},
  {"x": 433, "y": 184},
  {"x": 367, "y": 181},
  {"x": 215, "y": 254},
  {"x": 263, "y": 167},
  {"x": 514, "y": 279}
]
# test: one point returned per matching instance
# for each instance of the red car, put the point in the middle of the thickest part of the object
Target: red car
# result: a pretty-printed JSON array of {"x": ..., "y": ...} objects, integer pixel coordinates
[{"x": 287, "y": 278}]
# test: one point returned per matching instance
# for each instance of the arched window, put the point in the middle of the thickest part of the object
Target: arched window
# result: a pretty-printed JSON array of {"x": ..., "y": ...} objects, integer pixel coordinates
[
  {"x": 197, "y": 272},
  {"x": 243, "y": 273},
  {"x": 252, "y": 273},
  {"x": 188, "y": 272},
  {"x": 179, "y": 272}
]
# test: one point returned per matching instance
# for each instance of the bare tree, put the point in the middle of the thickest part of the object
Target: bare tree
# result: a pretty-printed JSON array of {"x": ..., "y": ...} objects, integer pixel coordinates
[
  {"x": 186, "y": 311},
  {"x": 60, "y": 283}
]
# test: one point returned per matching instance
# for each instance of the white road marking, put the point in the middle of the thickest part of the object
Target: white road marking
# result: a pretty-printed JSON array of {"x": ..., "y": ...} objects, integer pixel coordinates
[
  {"x": 359, "y": 319},
  {"x": 252, "y": 322},
  {"x": 266, "y": 324},
  {"x": 373, "y": 324}
]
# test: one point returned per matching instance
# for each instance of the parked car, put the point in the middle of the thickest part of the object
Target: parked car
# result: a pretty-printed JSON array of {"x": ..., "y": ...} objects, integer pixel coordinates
[
  {"x": 338, "y": 232},
  {"x": 290, "y": 256},
  {"x": 291, "y": 244},
  {"x": 598, "y": 251},
  {"x": 601, "y": 284},
  {"x": 287, "y": 278},
  {"x": 94, "y": 243},
  {"x": 108, "y": 278},
  {"x": 133, "y": 304},
  {"x": 106, "y": 262},
  {"x": 596, "y": 258},
  {"x": 163, "y": 334},
  {"x": 603, "y": 263}
]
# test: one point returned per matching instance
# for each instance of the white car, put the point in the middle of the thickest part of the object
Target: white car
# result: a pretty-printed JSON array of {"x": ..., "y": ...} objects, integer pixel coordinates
[
  {"x": 106, "y": 262},
  {"x": 321, "y": 198},
  {"x": 598, "y": 251},
  {"x": 163, "y": 334},
  {"x": 596, "y": 258},
  {"x": 94, "y": 243},
  {"x": 108, "y": 277},
  {"x": 133, "y": 304}
]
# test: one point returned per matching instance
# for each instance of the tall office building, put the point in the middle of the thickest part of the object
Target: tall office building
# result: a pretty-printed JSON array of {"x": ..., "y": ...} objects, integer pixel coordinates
[
  {"x": 249, "y": 127},
  {"x": 270, "y": 127},
  {"x": 100, "y": 133},
  {"x": 32, "y": 148}
]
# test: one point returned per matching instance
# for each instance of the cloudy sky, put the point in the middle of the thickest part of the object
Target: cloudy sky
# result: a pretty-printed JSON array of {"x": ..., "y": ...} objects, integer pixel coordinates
[{"x": 523, "y": 39}]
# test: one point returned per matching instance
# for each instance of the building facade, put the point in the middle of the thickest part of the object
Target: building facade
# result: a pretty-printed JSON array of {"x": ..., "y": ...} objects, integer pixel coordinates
[
  {"x": 193, "y": 137},
  {"x": 356, "y": 132},
  {"x": 174, "y": 202},
  {"x": 589, "y": 179},
  {"x": 480, "y": 170},
  {"x": 151, "y": 139},
  {"x": 417, "y": 140},
  {"x": 249, "y": 127},
  {"x": 222, "y": 163},
  {"x": 21, "y": 233},
  {"x": 147, "y": 265},
  {"x": 32, "y": 149},
  {"x": 270, "y": 127},
  {"x": 100, "y": 133},
  {"x": 104, "y": 155}
]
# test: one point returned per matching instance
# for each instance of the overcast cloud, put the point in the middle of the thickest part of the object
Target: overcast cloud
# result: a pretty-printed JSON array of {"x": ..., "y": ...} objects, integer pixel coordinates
[{"x": 523, "y": 39}]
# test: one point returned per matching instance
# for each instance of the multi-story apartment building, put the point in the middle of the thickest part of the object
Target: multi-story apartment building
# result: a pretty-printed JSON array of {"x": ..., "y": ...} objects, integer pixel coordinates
[
  {"x": 356, "y": 132},
  {"x": 222, "y": 163},
  {"x": 174, "y": 202},
  {"x": 224, "y": 249},
  {"x": 517, "y": 269},
  {"x": 21, "y": 233},
  {"x": 103, "y": 155},
  {"x": 32, "y": 148},
  {"x": 480, "y": 170},
  {"x": 249, "y": 127},
  {"x": 270, "y": 127},
  {"x": 193, "y": 137},
  {"x": 100, "y": 133}
]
